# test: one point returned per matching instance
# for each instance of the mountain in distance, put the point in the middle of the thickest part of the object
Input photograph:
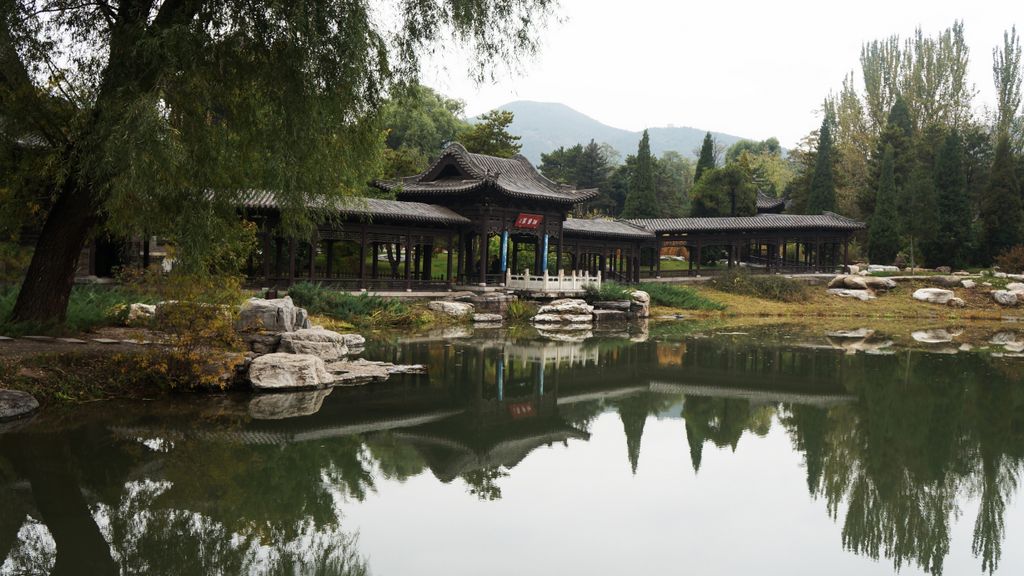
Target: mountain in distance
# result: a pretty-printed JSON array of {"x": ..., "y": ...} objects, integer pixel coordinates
[{"x": 544, "y": 126}]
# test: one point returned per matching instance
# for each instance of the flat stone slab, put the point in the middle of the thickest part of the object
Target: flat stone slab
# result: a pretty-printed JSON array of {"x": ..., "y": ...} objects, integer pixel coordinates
[
  {"x": 2, "y": 338},
  {"x": 487, "y": 318},
  {"x": 106, "y": 341},
  {"x": 16, "y": 404},
  {"x": 72, "y": 340},
  {"x": 39, "y": 338}
]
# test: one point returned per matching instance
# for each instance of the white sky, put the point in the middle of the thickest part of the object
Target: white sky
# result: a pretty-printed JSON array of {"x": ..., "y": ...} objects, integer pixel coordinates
[{"x": 750, "y": 68}]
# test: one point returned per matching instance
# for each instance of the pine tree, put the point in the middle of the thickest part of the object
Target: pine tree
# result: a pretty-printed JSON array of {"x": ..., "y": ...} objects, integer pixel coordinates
[
  {"x": 953, "y": 237},
  {"x": 917, "y": 207},
  {"x": 884, "y": 234},
  {"x": 822, "y": 196},
  {"x": 898, "y": 133},
  {"x": 1001, "y": 213},
  {"x": 641, "y": 201},
  {"x": 706, "y": 161}
]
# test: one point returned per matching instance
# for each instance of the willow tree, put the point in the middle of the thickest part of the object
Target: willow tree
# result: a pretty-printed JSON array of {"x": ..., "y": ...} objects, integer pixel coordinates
[{"x": 155, "y": 115}]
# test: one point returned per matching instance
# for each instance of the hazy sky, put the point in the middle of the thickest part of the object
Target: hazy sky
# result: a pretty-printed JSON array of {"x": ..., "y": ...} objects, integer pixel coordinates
[{"x": 750, "y": 68}]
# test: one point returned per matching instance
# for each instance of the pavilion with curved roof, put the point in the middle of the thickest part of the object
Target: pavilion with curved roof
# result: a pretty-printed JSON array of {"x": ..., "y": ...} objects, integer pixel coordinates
[{"x": 488, "y": 216}]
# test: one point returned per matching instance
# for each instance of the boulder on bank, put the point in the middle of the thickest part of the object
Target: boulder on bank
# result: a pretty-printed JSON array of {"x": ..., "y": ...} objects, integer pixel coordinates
[
  {"x": 566, "y": 306},
  {"x": 274, "y": 315},
  {"x": 1005, "y": 297},
  {"x": 1015, "y": 286},
  {"x": 854, "y": 282},
  {"x": 946, "y": 281},
  {"x": 968, "y": 284},
  {"x": 934, "y": 336},
  {"x": 858, "y": 333},
  {"x": 622, "y": 305},
  {"x": 451, "y": 308},
  {"x": 872, "y": 268},
  {"x": 325, "y": 344},
  {"x": 262, "y": 342},
  {"x": 487, "y": 318},
  {"x": 641, "y": 307},
  {"x": 284, "y": 371},
  {"x": 862, "y": 295},
  {"x": 563, "y": 318},
  {"x": 16, "y": 404},
  {"x": 937, "y": 296},
  {"x": 139, "y": 313}
]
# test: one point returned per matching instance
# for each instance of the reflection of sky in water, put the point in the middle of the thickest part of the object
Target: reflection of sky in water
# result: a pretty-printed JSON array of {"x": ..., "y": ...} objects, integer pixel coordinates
[{"x": 579, "y": 510}]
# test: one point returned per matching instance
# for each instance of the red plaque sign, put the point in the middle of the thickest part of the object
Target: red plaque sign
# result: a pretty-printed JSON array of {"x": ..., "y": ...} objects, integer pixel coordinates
[
  {"x": 520, "y": 410},
  {"x": 530, "y": 221}
]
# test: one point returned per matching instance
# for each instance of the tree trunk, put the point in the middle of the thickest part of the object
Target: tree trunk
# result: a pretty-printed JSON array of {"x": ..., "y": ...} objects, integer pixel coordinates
[{"x": 44, "y": 294}]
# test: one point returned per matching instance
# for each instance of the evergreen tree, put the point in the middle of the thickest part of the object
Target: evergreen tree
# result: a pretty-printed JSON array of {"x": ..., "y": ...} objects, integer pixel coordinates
[
  {"x": 884, "y": 233},
  {"x": 641, "y": 200},
  {"x": 1001, "y": 213},
  {"x": 706, "y": 161},
  {"x": 953, "y": 239},
  {"x": 490, "y": 136},
  {"x": 898, "y": 133},
  {"x": 822, "y": 195},
  {"x": 917, "y": 207},
  {"x": 726, "y": 191}
]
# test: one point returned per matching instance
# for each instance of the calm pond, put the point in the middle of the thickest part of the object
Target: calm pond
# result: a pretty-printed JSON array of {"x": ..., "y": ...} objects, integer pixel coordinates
[{"x": 771, "y": 451}]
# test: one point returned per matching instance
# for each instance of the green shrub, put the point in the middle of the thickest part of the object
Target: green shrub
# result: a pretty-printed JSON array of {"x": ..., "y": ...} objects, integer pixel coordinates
[
  {"x": 607, "y": 292},
  {"x": 676, "y": 296},
  {"x": 89, "y": 307},
  {"x": 364, "y": 309},
  {"x": 767, "y": 286},
  {"x": 520, "y": 311}
]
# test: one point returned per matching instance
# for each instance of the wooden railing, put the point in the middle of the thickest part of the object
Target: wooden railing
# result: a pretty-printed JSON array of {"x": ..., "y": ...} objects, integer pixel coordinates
[{"x": 572, "y": 282}]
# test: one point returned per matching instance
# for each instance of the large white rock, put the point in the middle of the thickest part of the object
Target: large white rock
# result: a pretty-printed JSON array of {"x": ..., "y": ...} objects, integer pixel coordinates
[
  {"x": 641, "y": 307},
  {"x": 879, "y": 283},
  {"x": 450, "y": 308},
  {"x": 325, "y": 344},
  {"x": 566, "y": 306},
  {"x": 139, "y": 313},
  {"x": 862, "y": 295},
  {"x": 482, "y": 318},
  {"x": 284, "y": 371},
  {"x": 968, "y": 283},
  {"x": 880, "y": 268},
  {"x": 16, "y": 404},
  {"x": 276, "y": 315},
  {"x": 1005, "y": 297},
  {"x": 934, "y": 336},
  {"x": 934, "y": 295},
  {"x": 1015, "y": 286}
]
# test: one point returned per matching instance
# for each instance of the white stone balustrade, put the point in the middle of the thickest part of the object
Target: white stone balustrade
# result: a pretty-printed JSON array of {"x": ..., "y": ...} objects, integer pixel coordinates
[{"x": 572, "y": 282}]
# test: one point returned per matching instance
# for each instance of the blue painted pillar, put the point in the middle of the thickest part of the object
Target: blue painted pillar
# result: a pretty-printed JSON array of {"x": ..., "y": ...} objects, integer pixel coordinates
[
  {"x": 504, "y": 251},
  {"x": 544, "y": 257}
]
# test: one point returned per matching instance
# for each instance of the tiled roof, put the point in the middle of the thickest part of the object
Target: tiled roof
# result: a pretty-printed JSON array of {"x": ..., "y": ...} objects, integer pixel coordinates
[
  {"x": 761, "y": 222},
  {"x": 514, "y": 177},
  {"x": 601, "y": 227},
  {"x": 373, "y": 209},
  {"x": 766, "y": 202}
]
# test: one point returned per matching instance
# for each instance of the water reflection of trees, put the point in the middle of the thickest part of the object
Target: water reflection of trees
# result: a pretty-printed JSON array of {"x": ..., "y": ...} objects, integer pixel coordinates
[{"x": 913, "y": 437}]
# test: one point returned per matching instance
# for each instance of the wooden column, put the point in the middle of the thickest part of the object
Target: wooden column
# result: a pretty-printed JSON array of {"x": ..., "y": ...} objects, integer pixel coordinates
[
  {"x": 145, "y": 252},
  {"x": 407, "y": 258},
  {"x": 515, "y": 256},
  {"x": 363, "y": 284},
  {"x": 268, "y": 239},
  {"x": 451, "y": 253},
  {"x": 657, "y": 259},
  {"x": 417, "y": 259},
  {"x": 699, "y": 254},
  {"x": 460, "y": 264},
  {"x": 558, "y": 257},
  {"x": 374, "y": 260},
  {"x": 483, "y": 257},
  {"x": 846, "y": 254},
  {"x": 428, "y": 261}
]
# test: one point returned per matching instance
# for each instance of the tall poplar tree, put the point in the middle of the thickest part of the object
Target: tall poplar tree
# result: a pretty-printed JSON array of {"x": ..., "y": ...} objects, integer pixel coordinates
[
  {"x": 898, "y": 133},
  {"x": 1002, "y": 214},
  {"x": 884, "y": 233},
  {"x": 706, "y": 160},
  {"x": 822, "y": 196},
  {"x": 641, "y": 201}
]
